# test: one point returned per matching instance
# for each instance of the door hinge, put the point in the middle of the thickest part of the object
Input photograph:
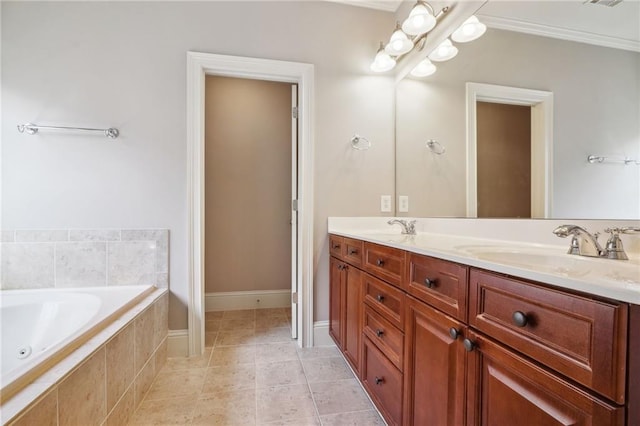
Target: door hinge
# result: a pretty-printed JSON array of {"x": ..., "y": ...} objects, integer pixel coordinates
[
  {"x": 294, "y": 112},
  {"x": 294, "y": 297},
  {"x": 294, "y": 205}
]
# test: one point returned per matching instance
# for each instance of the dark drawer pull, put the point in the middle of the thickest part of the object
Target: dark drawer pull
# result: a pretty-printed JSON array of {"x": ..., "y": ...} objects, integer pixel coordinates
[
  {"x": 454, "y": 333},
  {"x": 519, "y": 318},
  {"x": 353, "y": 251},
  {"x": 469, "y": 345},
  {"x": 429, "y": 283},
  {"x": 379, "y": 380},
  {"x": 380, "y": 298},
  {"x": 337, "y": 246},
  {"x": 379, "y": 332},
  {"x": 380, "y": 262}
]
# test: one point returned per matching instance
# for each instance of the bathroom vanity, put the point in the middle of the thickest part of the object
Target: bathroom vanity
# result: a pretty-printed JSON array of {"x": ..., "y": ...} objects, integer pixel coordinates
[{"x": 462, "y": 335}]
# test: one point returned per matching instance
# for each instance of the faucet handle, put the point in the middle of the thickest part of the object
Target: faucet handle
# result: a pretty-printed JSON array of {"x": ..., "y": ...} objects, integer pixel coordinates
[{"x": 614, "y": 248}]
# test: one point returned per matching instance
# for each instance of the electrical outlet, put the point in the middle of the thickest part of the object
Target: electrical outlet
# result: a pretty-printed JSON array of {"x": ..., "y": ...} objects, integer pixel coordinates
[
  {"x": 385, "y": 203},
  {"x": 403, "y": 203}
]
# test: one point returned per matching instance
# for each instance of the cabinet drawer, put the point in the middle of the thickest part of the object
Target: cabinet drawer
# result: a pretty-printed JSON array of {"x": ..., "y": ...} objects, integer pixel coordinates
[
  {"x": 353, "y": 251},
  {"x": 388, "y": 338},
  {"x": 336, "y": 244},
  {"x": 386, "y": 263},
  {"x": 582, "y": 338},
  {"x": 440, "y": 283},
  {"x": 384, "y": 383},
  {"x": 387, "y": 300}
]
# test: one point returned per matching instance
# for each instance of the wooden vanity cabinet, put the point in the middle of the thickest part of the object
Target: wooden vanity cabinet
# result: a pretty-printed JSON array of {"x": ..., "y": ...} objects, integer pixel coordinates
[
  {"x": 345, "y": 306},
  {"x": 442, "y": 343},
  {"x": 435, "y": 367},
  {"x": 507, "y": 389}
]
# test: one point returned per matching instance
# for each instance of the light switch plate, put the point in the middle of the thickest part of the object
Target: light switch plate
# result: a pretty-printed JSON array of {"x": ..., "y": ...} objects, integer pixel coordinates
[
  {"x": 385, "y": 203},
  {"x": 403, "y": 203}
]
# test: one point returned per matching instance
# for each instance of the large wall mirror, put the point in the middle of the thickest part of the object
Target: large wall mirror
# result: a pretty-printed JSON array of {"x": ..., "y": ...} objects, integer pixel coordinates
[{"x": 588, "y": 104}]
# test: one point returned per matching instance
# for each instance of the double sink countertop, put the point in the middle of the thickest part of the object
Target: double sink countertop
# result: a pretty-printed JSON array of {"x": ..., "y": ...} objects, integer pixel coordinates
[{"x": 547, "y": 263}]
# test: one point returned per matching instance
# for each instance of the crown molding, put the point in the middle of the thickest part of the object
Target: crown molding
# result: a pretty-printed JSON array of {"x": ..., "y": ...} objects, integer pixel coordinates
[
  {"x": 385, "y": 5},
  {"x": 559, "y": 33}
]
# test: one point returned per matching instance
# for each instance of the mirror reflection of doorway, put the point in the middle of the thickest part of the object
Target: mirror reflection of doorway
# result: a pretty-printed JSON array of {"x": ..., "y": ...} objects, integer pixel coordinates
[{"x": 503, "y": 160}]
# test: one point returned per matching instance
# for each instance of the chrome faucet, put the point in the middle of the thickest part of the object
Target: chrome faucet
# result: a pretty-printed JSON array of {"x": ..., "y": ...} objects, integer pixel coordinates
[
  {"x": 408, "y": 227},
  {"x": 582, "y": 242},
  {"x": 585, "y": 244}
]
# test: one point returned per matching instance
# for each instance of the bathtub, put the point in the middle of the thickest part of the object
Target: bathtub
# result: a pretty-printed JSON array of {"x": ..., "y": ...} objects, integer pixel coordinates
[{"x": 40, "y": 327}]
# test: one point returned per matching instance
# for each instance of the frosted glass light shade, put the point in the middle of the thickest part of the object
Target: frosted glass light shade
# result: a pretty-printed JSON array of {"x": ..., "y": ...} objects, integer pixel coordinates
[
  {"x": 382, "y": 62},
  {"x": 424, "y": 68},
  {"x": 399, "y": 43},
  {"x": 420, "y": 21},
  {"x": 445, "y": 51},
  {"x": 470, "y": 30}
]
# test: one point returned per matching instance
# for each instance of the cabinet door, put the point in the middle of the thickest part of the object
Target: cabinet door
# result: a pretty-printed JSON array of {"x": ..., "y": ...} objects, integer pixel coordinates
[
  {"x": 353, "y": 317},
  {"x": 506, "y": 389},
  {"x": 336, "y": 300},
  {"x": 434, "y": 367}
]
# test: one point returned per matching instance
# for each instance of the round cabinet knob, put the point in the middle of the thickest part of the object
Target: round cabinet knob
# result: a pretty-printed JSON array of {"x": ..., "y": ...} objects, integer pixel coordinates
[
  {"x": 519, "y": 318},
  {"x": 337, "y": 246},
  {"x": 380, "y": 262},
  {"x": 454, "y": 333},
  {"x": 380, "y": 298},
  {"x": 353, "y": 251},
  {"x": 379, "y": 333},
  {"x": 379, "y": 380},
  {"x": 469, "y": 345},
  {"x": 429, "y": 283}
]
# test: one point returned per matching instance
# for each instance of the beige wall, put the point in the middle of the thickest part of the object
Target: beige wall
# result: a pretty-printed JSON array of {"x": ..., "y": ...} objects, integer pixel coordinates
[
  {"x": 247, "y": 185},
  {"x": 123, "y": 64},
  {"x": 504, "y": 160}
]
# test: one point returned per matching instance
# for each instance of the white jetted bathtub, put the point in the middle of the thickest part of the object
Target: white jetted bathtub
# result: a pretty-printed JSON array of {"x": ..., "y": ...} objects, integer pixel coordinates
[{"x": 41, "y": 326}]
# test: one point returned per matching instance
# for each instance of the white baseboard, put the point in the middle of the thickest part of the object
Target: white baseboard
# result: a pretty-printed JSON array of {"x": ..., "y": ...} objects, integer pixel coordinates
[
  {"x": 321, "y": 334},
  {"x": 235, "y": 300},
  {"x": 178, "y": 343}
]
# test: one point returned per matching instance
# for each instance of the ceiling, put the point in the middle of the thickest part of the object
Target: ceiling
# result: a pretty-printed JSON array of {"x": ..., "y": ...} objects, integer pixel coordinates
[{"x": 617, "y": 26}]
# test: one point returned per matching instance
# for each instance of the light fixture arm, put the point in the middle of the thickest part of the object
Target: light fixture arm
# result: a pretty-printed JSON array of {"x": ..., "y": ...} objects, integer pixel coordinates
[{"x": 419, "y": 40}]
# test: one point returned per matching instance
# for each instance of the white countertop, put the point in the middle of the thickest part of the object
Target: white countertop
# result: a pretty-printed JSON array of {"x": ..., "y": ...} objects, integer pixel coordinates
[{"x": 547, "y": 263}]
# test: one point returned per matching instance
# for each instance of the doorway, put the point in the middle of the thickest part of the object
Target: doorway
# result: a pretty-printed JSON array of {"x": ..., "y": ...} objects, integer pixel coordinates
[
  {"x": 250, "y": 182},
  {"x": 200, "y": 65},
  {"x": 540, "y": 104},
  {"x": 503, "y": 160}
]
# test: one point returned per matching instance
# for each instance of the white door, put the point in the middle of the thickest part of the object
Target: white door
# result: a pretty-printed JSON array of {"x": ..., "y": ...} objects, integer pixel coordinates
[{"x": 295, "y": 270}]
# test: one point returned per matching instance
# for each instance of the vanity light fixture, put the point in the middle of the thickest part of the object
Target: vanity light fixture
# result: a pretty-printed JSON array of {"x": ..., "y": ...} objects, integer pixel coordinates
[
  {"x": 399, "y": 44},
  {"x": 382, "y": 62},
  {"x": 445, "y": 51},
  {"x": 408, "y": 36},
  {"x": 424, "y": 68},
  {"x": 412, "y": 34},
  {"x": 470, "y": 30},
  {"x": 421, "y": 19}
]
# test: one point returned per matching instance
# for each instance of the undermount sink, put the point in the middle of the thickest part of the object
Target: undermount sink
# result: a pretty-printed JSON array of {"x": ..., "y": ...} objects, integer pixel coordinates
[
  {"x": 531, "y": 258},
  {"x": 542, "y": 259}
]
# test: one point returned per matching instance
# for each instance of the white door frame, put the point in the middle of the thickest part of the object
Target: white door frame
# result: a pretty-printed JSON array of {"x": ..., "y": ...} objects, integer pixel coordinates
[
  {"x": 541, "y": 141},
  {"x": 199, "y": 65}
]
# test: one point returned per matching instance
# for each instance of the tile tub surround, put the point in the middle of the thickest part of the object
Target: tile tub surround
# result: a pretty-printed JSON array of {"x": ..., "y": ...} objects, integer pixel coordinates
[
  {"x": 84, "y": 258},
  {"x": 103, "y": 381}
]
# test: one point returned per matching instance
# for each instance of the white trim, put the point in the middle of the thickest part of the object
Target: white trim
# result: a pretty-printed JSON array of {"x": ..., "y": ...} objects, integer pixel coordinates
[
  {"x": 386, "y": 5},
  {"x": 541, "y": 142},
  {"x": 199, "y": 64},
  {"x": 178, "y": 343},
  {"x": 235, "y": 300},
  {"x": 516, "y": 25},
  {"x": 321, "y": 334}
]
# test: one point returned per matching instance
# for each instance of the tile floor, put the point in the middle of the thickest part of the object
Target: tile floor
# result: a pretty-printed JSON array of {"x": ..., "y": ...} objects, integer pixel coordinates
[{"x": 252, "y": 373}]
